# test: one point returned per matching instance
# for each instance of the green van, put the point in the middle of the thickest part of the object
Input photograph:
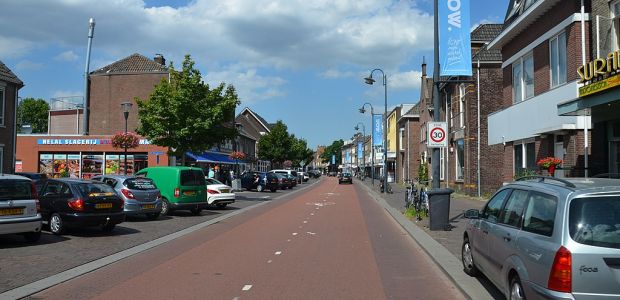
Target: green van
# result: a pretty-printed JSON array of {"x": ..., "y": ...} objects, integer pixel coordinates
[{"x": 180, "y": 187}]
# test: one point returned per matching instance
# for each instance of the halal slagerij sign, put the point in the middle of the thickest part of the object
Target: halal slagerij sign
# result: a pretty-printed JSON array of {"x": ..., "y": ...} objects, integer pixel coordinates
[
  {"x": 454, "y": 38},
  {"x": 80, "y": 142}
]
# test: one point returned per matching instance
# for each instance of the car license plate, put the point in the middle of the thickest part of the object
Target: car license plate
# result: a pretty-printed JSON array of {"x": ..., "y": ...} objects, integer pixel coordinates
[
  {"x": 103, "y": 205},
  {"x": 189, "y": 193},
  {"x": 12, "y": 211},
  {"x": 225, "y": 191},
  {"x": 148, "y": 206}
]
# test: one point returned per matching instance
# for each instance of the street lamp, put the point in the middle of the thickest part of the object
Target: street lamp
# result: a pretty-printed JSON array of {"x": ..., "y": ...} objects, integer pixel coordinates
[
  {"x": 370, "y": 80},
  {"x": 372, "y": 146},
  {"x": 357, "y": 128},
  {"x": 126, "y": 108}
]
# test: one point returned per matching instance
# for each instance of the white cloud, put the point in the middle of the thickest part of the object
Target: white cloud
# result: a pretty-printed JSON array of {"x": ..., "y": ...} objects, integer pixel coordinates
[
  {"x": 251, "y": 86},
  {"x": 68, "y": 55},
  {"x": 405, "y": 81},
  {"x": 28, "y": 65},
  {"x": 335, "y": 74}
]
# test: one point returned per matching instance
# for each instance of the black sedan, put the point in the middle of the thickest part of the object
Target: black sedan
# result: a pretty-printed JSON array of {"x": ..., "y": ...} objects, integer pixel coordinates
[
  {"x": 345, "y": 177},
  {"x": 73, "y": 203}
]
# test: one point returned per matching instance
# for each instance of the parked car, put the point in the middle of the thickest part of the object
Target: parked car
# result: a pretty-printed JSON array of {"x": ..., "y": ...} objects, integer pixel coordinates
[
  {"x": 180, "y": 187},
  {"x": 219, "y": 193},
  {"x": 19, "y": 207},
  {"x": 304, "y": 176},
  {"x": 283, "y": 181},
  {"x": 291, "y": 173},
  {"x": 259, "y": 180},
  {"x": 548, "y": 238},
  {"x": 292, "y": 179},
  {"x": 345, "y": 177},
  {"x": 314, "y": 173},
  {"x": 76, "y": 203},
  {"x": 140, "y": 194},
  {"x": 37, "y": 178}
]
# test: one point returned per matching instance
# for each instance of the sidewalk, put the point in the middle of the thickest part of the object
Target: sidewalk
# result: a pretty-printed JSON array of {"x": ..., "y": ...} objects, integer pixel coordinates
[{"x": 443, "y": 246}]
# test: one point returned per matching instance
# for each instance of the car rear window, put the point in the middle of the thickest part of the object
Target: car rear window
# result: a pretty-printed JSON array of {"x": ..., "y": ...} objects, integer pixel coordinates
[
  {"x": 192, "y": 178},
  {"x": 595, "y": 221},
  {"x": 94, "y": 188},
  {"x": 15, "y": 190},
  {"x": 139, "y": 184}
]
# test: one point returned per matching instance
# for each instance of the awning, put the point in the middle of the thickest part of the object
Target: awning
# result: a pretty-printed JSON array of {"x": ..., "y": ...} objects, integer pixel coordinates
[{"x": 211, "y": 157}]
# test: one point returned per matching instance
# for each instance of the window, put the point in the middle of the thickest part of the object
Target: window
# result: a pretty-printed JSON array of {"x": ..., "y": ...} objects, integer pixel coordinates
[
  {"x": 461, "y": 106},
  {"x": 592, "y": 221},
  {"x": 524, "y": 157},
  {"x": 540, "y": 214},
  {"x": 615, "y": 17},
  {"x": 442, "y": 156},
  {"x": 512, "y": 212},
  {"x": 493, "y": 208},
  {"x": 523, "y": 78},
  {"x": 402, "y": 138},
  {"x": 2, "y": 105},
  {"x": 460, "y": 159},
  {"x": 1, "y": 158},
  {"x": 557, "y": 57}
]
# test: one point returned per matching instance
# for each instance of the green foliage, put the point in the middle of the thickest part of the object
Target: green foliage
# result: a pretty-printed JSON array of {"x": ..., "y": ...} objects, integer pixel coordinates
[
  {"x": 423, "y": 173},
  {"x": 524, "y": 172},
  {"x": 34, "y": 112},
  {"x": 300, "y": 151},
  {"x": 276, "y": 145},
  {"x": 334, "y": 149},
  {"x": 187, "y": 115}
]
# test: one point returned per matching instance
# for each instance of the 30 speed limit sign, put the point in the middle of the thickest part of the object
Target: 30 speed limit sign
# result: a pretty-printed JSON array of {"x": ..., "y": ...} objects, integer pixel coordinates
[{"x": 437, "y": 136}]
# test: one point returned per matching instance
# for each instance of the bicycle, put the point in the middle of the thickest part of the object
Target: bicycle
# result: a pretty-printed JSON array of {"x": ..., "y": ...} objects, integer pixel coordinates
[
  {"x": 410, "y": 196},
  {"x": 423, "y": 205}
]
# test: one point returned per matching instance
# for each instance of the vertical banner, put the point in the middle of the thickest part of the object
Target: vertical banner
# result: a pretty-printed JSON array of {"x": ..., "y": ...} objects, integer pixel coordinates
[
  {"x": 454, "y": 38},
  {"x": 360, "y": 150},
  {"x": 333, "y": 159},
  {"x": 377, "y": 130},
  {"x": 348, "y": 156}
]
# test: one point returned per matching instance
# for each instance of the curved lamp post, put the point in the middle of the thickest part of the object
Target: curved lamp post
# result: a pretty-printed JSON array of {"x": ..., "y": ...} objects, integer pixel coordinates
[
  {"x": 126, "y": 108},
  {"x": 372, "y": 146},
  {"x": 370, "y": 80},
  {"x": 357, "y": 128}
]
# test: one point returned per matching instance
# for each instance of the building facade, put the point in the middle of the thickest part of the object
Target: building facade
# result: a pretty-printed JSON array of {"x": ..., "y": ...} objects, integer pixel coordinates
[
  {"x": 408, "y": 157},
  {"x": 9, "y": 95}
]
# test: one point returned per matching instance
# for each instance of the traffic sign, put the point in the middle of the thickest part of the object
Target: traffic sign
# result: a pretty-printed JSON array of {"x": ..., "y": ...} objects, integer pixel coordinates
[
  {"x": 302, "y": 163},
  {"x": 437, "y": 137}
]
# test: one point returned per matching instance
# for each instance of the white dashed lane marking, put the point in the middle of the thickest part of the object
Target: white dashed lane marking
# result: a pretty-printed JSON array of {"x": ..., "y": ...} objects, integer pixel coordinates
[
  {"x": 246, "y": 287},
  {"x": 278, "y": 252},
  {"x": 305, "y": 222},
  {"x": 310, "y": 233},
  {"x": 269, "y": 261},
  {"x": 294, "y": 233}
]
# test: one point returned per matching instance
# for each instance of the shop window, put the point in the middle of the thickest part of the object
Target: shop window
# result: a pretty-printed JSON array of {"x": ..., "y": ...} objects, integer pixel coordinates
[
  {"x": 523, "y": 78},
  {"x": 460, "y": 159},
  {"x": 2, "y": 104},
  {"x": 557, "y": 57},
  {"x": 524, "y": 157}
]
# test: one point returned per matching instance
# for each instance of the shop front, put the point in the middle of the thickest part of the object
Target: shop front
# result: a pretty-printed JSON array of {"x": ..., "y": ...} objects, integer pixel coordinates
[{"x": 84, "y": 156}]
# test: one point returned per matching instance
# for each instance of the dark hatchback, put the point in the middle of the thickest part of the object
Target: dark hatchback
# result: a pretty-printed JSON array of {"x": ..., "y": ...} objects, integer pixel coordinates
[
  {"x": 283, "y": 181},
  {"x": 345, "y": 177},
  {"x": 37, "y": 178},
  {"x": 79, "y": 203},
  {"x": 259, "y": 180}
]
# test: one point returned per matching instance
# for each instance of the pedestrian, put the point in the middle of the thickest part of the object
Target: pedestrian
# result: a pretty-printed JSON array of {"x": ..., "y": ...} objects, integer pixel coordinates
[{"x": 211, "y": 172}]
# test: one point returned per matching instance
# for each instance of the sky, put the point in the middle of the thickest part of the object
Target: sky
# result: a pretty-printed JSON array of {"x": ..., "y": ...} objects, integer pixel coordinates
[{"x": 299, "y": 61}]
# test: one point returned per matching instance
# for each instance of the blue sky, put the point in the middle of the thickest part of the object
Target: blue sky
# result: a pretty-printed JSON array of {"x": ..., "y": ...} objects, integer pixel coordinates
[{"x": 298, "y": 61}]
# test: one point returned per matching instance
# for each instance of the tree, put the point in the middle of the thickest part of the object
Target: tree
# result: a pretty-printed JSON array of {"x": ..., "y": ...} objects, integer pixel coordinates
[
  {"x": 300, "y": 151},
  {"x": 334, "y": 149},
  {"x": 187, "y": 115},
  {"x": 34, "y": 112},
  {"x": 275, "y": 145}
]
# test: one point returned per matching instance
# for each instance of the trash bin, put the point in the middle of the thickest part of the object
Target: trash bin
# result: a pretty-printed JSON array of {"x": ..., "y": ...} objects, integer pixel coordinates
[{"x": 439, "y": 209}]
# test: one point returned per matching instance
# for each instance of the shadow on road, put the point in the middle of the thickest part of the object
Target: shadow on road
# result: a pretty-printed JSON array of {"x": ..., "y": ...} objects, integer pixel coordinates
[
  {"x": 17, "y": 241},
  {"x": 97, "y": 232}
]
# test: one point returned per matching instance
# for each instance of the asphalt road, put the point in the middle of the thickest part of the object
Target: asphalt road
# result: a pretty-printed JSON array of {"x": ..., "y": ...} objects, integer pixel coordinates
[
  {"x": 329, "y": 241},
  {"x": 22, "y": 263}
]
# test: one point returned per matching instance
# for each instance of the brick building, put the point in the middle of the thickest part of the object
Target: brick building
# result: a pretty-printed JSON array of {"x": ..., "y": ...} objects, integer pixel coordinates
[
  {"x": 541, "y": 46},
  {"x": 408, "y": 157},
  {"x": 9, "y": 93}
]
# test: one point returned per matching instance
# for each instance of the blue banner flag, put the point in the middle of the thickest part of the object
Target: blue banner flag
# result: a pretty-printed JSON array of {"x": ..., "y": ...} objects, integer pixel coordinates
[
  {"x": 454, "y": 38},
  {"x": 377, "y": 130},
  {"x": 333, "y": 159},
  {"x": 348, "y": 156},
  {"x": 360, "y": 150}
]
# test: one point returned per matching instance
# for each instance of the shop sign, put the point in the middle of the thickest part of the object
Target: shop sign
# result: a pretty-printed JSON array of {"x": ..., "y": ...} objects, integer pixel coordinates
[
  {"x": 82, "y": 142},
  {"x": 599, "y": 86}
]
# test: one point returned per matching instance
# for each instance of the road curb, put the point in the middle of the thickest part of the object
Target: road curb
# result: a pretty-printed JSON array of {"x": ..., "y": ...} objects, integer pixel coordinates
[
  {"x": 448, "y": 263},
  {"x": 48, "y": 282}
]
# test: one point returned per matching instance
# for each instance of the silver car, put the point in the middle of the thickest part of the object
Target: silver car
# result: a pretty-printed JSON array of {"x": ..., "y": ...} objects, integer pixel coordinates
[
  {"x": 140, "y": 194},
  {"x": 19, "y": 207},
  {"x": 548, "y": 238}
]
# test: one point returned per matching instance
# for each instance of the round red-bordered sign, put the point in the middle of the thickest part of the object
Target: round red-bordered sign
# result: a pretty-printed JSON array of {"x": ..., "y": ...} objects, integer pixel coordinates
[{"x": 441, "y": 136}]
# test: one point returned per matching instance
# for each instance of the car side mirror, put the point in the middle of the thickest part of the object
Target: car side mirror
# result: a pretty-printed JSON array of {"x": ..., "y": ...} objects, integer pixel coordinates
[{"x": 472, "y": 214}]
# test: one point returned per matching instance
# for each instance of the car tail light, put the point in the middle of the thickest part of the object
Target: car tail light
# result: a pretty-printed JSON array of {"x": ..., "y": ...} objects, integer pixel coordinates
[
  {"x": 127, "y": 194},
  {"x": 560, "y": 277},
  {"x": 177, "y": 193},
  {"x": 210, "y": 191},
  {"x": 33, "y": 191},
  {"x": 77, "y": 204}
]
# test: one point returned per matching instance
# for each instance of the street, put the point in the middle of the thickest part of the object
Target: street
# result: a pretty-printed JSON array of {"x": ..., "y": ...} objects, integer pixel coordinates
[{"x": 327, "y": 241}]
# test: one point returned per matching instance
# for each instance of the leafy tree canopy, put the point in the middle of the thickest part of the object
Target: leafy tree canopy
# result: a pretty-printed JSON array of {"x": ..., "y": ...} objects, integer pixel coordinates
[
  {"x": 34, "y": 112},
  {"x": 334, "y": 149},
  {"x": 275, "y": 145},
  {"x": 186, "y": 114}
]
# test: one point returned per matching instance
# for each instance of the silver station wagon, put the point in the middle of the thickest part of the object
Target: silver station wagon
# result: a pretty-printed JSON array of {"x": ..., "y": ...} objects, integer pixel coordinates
[{"x": 548, "y": 238}]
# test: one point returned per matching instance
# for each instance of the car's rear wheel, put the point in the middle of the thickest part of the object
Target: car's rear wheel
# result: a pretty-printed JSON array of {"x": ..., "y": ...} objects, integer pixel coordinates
[
  {"x": 468, "y": 259},
  {"x": 222, "y": 205},
  {"x": 273, "y": 190},
  {"x": 57, "y": 226},
  {"x": 196, "y": 211},
  {"x": 152, "y": 216},
  {"x": 165, "y": 207},
  {"x": 32, "y": 237},
  {"x": 260, "y": 188},
  {"x": 516, "y": 289}
]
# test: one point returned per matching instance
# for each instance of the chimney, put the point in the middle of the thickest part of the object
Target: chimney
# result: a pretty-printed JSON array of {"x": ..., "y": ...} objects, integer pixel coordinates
[
  {"x": 160, "y": 59},
  {"x": 423, "y": 67}
]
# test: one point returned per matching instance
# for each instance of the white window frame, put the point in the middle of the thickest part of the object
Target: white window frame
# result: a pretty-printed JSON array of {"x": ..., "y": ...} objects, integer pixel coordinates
[
  {"x": 614, "y": 11},
  {"x": 457, "y": 167},
  {"x": 561, "y": 81},
  {"x": 442, "y": 155},
  {"x": 402, "y": 137},
  {"x": 462, "y": 90},
  {"x": 1, "y": 158},
  {"x": 521, "y": 63},
  {"x": 3, "y": 106},
  {"x": 523, "y": 144}
]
